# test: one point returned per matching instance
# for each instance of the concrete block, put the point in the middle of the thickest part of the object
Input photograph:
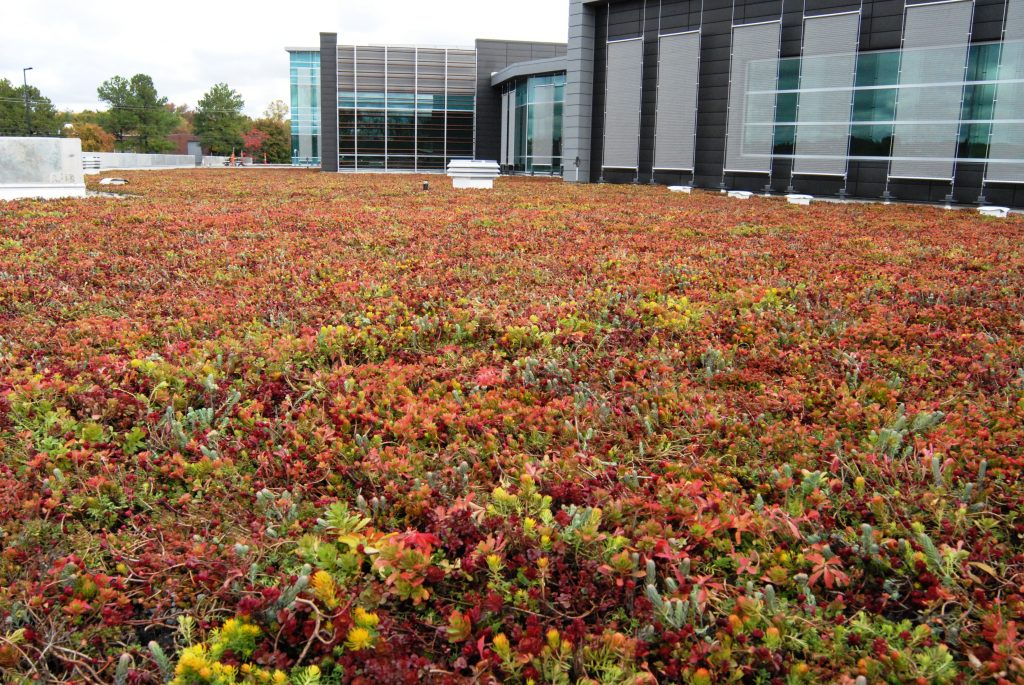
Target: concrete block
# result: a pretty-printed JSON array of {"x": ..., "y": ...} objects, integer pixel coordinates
[
  {"x": 680, "y": 189},
  {"x": 799, "y": 199},
  {"x": 998, "y": 212},
  {"x": 46, "y": 168}
]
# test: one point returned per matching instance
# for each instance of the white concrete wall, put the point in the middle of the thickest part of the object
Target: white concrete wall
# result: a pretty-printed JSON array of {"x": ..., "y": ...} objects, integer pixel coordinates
[{"x": 41, "y": 167}]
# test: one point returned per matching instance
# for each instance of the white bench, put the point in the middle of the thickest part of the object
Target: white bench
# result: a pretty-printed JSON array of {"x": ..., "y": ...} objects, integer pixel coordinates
[{"x": 466, "y": 173}]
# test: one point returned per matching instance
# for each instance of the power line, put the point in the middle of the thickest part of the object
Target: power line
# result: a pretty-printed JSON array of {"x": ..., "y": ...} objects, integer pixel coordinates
[{"x": 21, "y": 101}]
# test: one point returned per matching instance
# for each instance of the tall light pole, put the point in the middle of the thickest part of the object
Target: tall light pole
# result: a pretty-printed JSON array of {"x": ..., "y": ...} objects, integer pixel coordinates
[{"x": 28, "y": 120}]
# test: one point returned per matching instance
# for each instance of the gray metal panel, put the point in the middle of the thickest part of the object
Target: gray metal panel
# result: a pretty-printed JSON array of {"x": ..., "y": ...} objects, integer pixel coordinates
[
  {"x": 678, "y": 77},
  {"x": 504, "y": 129},
  {"x": 827, "y": 75},
  {"x": 1007, "y": 142},
  {"x": 537, "y": 67},
  {"x": 935, "y": 44},
  {"x": 754, "y": 75},
  {"x": 579, "y": 93},
  {"x": 329, "y": 101},
  {"x": 544, "y": 125},
  {"x": 622, "y": 104}
]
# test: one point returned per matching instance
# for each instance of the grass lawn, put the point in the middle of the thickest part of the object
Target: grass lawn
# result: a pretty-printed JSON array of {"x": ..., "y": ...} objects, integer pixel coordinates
[{"x": 290, "y": 427}]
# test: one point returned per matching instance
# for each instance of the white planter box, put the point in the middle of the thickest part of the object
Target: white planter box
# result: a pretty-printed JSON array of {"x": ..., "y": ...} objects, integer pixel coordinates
[
  {"x": 740, "y": 194},
  {"x": 799, "y": 199},
  {"x": 472, "y": 174},
  {"x": 998, "y": 212},
  {"x": 680, "y": 189}
]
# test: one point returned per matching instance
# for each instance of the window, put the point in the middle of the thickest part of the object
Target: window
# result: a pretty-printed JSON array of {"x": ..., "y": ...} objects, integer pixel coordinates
[
  {"x": 786, "y": 104},
  {"x": 537, "y": 124},
  {"x": 405, "y": 108}
]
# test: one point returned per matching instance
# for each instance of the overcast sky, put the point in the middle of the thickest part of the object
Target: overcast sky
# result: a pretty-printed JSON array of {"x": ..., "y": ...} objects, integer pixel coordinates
[{"x": 189, "y": 45}]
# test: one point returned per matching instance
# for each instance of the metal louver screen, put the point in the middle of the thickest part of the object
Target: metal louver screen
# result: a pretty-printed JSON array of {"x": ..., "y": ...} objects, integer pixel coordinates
[
  {"x": 544, "y": 125},
  {"x": 504, "y": 128},
  {"x": 935, "y": 44},
  {"x": 1007, "y": 144},
  {"x": 827, "y": 74},
  {"x": 622, "y": 104},
  {"x": 678, "y": 75},
  {"x": 754, "y": 75}
]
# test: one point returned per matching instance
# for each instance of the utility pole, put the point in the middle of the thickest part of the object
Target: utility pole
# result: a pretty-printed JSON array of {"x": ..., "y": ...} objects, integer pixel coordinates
[{"x": 28, "y": 120}]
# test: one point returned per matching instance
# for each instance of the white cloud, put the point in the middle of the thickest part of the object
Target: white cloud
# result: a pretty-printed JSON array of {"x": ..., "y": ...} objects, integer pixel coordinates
[{"x": 187, "y": 46}]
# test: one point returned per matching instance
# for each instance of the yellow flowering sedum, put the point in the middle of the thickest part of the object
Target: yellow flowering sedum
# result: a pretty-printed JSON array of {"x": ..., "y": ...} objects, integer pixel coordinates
[
  {"x": 365, "y": 619},
  {"x": 359, "y": 638}
]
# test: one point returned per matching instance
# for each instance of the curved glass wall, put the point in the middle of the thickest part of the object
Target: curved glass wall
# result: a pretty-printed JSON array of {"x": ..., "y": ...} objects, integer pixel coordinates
[{"x": 534, "y": 120}]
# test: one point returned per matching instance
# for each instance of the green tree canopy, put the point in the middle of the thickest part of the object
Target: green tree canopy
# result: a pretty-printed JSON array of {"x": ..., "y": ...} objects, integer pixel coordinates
[
  {"x": 138, "y": 117},
  {"x": 44, "y": 118},
  {"x": 219, "y": 121},
  {"x": 278, "y": 141}
]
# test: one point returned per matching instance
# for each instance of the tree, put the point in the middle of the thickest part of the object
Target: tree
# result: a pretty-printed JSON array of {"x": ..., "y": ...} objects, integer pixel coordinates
[
  {"x": 137, "y": 116},
  {"x": 277, "y": 140},
  {"x": 94, "y": 138},
  {"x": 252, "y": 141},
  {"x": 185, "y": 116},
  {"x": 86, "y": 116},
  {"x": 219, "y": 121},
  {"x": 44, "y": 118},
  {"x": 276, "y": 111}
]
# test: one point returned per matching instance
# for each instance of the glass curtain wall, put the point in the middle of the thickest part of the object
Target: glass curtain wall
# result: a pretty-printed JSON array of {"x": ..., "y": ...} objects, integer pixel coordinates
[
  {"x": 405, "y": 108},
  {"x": 305, "y": 107},
  {"x": 536, "y": 130},
  {"x": 874, "y": 104}
]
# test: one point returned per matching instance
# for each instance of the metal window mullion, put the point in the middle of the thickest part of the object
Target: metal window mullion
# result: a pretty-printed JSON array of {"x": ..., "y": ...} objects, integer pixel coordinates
[
  {"x": 640, "y": 109},
  {"x": 899, "y": 90},
  {"x": 416, "y": 109},
  {"x": 386, "y": 122},
  {"x": 775, "y": 102},
  {"x": 696, "y": 107},
  {"x": 728, "y": 96},
  {"x": 995, "y": 97},
  {"x": 476, "y": 67},
  {"x": 799, "y": 84},
  {"x": 853, "y": 98},
  {"x": 355, "y": 109},
  {"x": 445, "y": 109},
  {"x": 607, "y": 61},
  {"x": 963, "y": 95}
]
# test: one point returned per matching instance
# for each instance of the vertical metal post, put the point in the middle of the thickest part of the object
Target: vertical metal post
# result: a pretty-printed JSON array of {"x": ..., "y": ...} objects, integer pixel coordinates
[{"x": 28, "y": 110}]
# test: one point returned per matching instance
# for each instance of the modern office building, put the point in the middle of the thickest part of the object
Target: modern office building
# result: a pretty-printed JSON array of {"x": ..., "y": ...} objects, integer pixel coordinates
[
  {"x": 910, "y": 100},
  {"x": 415, "y": 108},
  {"x": 920, "y": 101}
]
